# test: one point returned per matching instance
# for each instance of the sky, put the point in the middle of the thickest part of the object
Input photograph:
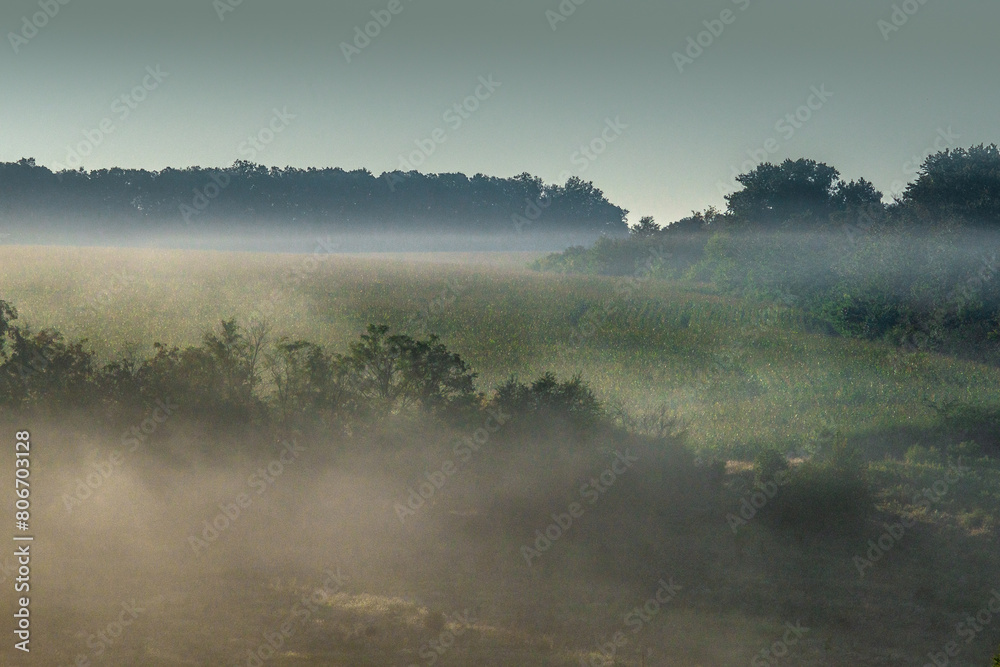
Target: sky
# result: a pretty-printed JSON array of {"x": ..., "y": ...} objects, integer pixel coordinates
[{"x": 657, "y": 103}]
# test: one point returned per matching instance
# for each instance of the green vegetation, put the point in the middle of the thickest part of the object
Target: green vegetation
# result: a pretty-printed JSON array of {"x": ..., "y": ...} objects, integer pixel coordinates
[
  {"x": 770, "y": 455},
  {"x": 919, "y": 273}
]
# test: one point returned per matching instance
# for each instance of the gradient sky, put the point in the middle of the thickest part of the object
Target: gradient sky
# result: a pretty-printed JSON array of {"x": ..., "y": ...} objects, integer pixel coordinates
[{"x": 686, "y": 130}]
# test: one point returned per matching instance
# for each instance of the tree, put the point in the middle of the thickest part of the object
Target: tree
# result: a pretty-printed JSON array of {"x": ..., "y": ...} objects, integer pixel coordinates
[
  {"x": 234, "y": 353},
  {"x": 394, "y": 373},
  {"x": 961, "y": 182},
  {"x": 772, "y": 194},
  {"x": 647, "y": 227},
  {"x": 547, "y": 397},
  {"x": 856, "y": 195}
]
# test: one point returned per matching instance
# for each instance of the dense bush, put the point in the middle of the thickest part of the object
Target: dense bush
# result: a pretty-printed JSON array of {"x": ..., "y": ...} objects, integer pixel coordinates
[
  {"x": 547, "y": 398},
  {"x": 239, "y": 376}
]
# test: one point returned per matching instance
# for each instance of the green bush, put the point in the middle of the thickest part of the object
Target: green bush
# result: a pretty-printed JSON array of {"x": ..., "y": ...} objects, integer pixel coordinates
[{"x": 547, "y": 398}]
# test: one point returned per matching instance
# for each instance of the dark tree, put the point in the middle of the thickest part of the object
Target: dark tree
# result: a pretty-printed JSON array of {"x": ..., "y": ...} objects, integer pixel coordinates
[
  {"x": 646, "y": 227},
  {"x": 961, "y": 182},
  {"x": 772, "y": 194}
]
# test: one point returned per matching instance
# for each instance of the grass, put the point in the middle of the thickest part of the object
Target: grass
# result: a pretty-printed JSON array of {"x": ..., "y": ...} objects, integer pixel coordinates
[{"x": 745, "y": 376}]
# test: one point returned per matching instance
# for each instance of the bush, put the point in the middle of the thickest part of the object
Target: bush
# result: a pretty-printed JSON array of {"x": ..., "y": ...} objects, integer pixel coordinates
[
  {"x": 570, "y": 400},
  {"x": 768, "y": 463},
  {"x": 822, "y": 496},
  {"x": 42, "y": 366}
]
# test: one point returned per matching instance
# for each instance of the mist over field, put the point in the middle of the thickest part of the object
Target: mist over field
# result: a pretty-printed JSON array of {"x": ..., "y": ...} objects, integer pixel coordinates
[{"x": 564, "y": 333}]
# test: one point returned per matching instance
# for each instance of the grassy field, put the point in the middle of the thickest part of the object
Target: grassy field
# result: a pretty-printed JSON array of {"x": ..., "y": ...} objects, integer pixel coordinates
[{"x": 743, "y": 376}]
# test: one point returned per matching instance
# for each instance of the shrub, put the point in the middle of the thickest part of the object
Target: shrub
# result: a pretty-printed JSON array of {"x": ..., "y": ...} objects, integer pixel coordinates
[
  {"x": 822, "y": 496},
  {"x": 768, "y": 463},
  {"x": 570, "y": 400},
  {"x": 43, "y": 366}
]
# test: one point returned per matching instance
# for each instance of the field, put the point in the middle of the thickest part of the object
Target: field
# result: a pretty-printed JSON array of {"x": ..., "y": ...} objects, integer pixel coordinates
[{"x": 451, "y": 586}]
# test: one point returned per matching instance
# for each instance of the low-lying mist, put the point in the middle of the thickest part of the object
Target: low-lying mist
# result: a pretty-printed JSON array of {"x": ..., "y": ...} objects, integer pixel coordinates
[{"x": 215, "y": 537}]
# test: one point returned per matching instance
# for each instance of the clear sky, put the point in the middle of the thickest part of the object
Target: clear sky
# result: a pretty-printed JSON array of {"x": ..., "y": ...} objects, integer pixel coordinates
[{"x": 200, "y": 78}]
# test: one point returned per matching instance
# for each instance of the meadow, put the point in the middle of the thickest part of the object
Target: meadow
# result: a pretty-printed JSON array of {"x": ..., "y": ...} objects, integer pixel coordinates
[
  {"x": 660, "y": 572},
  {"x": 745, "y": 375}
]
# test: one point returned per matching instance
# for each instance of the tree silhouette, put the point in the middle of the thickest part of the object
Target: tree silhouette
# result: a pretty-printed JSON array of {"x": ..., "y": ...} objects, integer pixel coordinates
[{"x": 961, "y": 182}]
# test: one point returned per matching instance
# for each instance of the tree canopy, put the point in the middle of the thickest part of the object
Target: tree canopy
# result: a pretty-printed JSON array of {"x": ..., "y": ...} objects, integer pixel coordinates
[{"x": 344, "y": 201}]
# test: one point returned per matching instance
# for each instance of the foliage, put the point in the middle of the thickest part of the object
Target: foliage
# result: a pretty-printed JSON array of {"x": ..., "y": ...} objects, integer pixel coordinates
[
  {"x": 803, "y": 190},
  {"x": 547, "y": 397},
  {"x": 965, "y": 420},
  {"x": 768, "y": 463},
  {"x": 920, "y": 273},
  {"x": 237, "y": 375},
  {"x": 393, "y": 373},
  {"x": 649, "y": 250},
  {"x": 247, "y": 194},
  {"x": 961, "y": 182},
  {"x": 646, "y": 227}
]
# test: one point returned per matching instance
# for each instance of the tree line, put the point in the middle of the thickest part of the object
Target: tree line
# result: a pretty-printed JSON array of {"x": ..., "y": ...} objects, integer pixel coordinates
[
  {"x": 920, "y": 271},
  {"x": 248, "y": 194}
]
